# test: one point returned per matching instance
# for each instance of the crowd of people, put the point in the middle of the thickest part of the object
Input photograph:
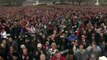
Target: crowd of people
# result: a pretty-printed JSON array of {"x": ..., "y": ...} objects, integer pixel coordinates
[{"x": 57, "y": 32}]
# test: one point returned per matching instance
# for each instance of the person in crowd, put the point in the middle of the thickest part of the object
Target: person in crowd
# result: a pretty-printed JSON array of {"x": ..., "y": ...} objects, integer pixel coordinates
[
  {"x": 4, "y": 49},
  {"x": 12, "y": 43},
  {"x": 72, "y": 37},
  {"x": 10, "y": 53},
  {"x": 58, "y": 56},
  {"x": 84, "y": 41},
  {"x": 70, "y": 56},
  {"x": 25, "y": 55},
  {"x": 42, "y": 57},
  {"x": 39, "y": 51},
  {"x": 3, "y": 33},
  {"x": 94, "y": 51},
  {"x": 52, "y": 50},
  {"x": 1, "y": 58},
  {"x": 81, "y": 53},
  {"x": 16, "y": 56}
]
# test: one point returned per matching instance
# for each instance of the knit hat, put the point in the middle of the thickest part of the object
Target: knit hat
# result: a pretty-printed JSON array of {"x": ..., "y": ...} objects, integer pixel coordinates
[
  {"x": 22, "y": 46},
  {"x": 39, "y": 45},
  {"x": 102, "y": 58}
]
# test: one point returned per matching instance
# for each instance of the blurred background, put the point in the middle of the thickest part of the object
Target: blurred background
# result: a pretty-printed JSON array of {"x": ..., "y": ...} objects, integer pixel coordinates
[{"x": 49, "y": 2}]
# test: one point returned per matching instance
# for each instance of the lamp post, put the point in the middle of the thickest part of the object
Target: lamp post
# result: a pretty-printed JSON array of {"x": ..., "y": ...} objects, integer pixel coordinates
[{"x": 97, "y": 2}]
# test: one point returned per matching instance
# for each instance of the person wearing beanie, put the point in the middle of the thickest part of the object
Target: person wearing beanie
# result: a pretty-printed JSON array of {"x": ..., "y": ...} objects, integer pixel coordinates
[{"x": 38, "y": 51}]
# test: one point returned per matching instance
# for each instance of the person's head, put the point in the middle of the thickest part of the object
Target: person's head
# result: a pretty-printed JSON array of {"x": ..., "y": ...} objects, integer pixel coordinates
[
  {"x": 62, "y": 36},
  {"x": 39, "y": 46},
  {"x": 84, "y": 32},
  {"x": 72, "y": 33},
  {"x": 71, "y": 52},
  {"x": 101, "y": 34},
  {"x": 53, "y": 46},
  {"x": 1, "y": 58},
  {"x": 42, "y": 57},
  {"x": 43, "y": 36},
  {"x": 10, "y": 39},
  {"x": 83, "y": 37},
  {"x": 70, "y": 55},
  {"x": 3, "y": 28},
  {"x": 54, "y": 32},
  {"x": 4, "y": 41},
  {"x": 58, "y": 54},
  {"x": 93, "y": 44},
  {"x": 81, "y": 46},
  {"x": 15, "y": 56},
  {"x": 93, "y": 36},
  {"x": 11, "y": 49},
  {"x": 25, "y": 51}
]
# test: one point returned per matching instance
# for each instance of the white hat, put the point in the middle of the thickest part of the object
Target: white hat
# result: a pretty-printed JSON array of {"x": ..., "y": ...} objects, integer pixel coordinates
[
  {"x": 102, "y": 58},
  {"x": 22, "y": 46},
  {"x": 39, "y": 45}
]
